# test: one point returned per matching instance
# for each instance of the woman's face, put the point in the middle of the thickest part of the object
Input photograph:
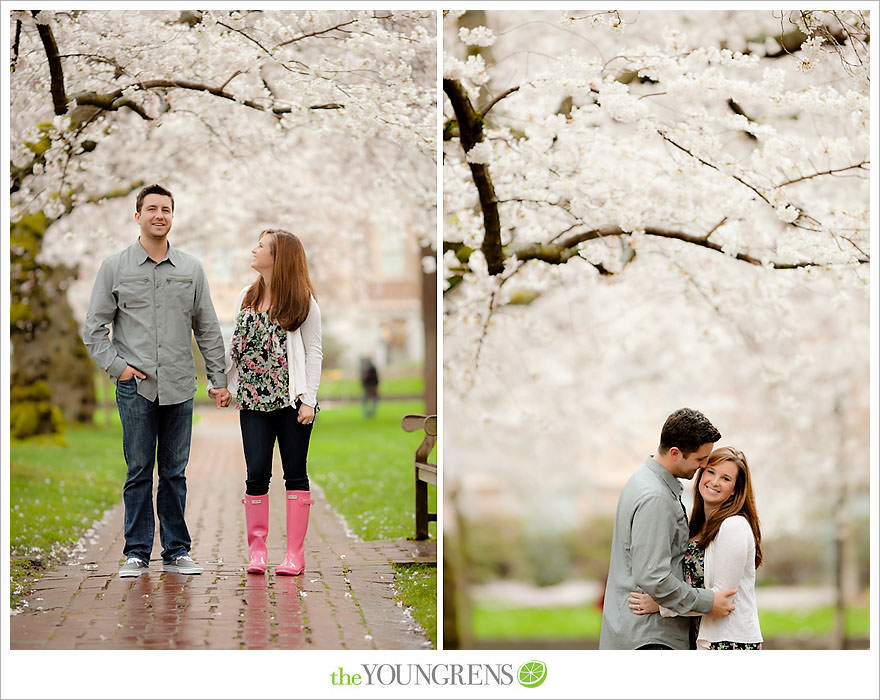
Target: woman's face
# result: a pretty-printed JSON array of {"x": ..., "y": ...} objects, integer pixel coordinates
[
  {"x": 717, "y": 483},
  {"x": 263, "y": 258}
]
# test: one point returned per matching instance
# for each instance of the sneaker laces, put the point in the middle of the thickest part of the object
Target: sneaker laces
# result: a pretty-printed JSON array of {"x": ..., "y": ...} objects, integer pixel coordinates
[{"x": 132, "y": 559}]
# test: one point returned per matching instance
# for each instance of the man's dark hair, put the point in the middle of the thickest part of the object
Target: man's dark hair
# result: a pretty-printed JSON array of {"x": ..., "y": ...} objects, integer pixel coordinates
[
  {"x": 152, "y": 189},
  {"x": 687, "y": 430}
]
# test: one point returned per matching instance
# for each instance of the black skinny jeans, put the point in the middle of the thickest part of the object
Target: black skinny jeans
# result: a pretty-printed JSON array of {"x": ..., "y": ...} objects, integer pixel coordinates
[{"x": 259, "y": 431}]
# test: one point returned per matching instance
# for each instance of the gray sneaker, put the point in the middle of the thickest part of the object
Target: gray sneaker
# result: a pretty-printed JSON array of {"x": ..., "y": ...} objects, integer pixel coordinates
[
  {"x": 133, "y": 567},
  {"x": 182, "y": 565}
]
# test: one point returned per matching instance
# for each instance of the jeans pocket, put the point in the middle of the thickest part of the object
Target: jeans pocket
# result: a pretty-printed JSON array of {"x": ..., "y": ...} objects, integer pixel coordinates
[{"x": 126, "y": 388}]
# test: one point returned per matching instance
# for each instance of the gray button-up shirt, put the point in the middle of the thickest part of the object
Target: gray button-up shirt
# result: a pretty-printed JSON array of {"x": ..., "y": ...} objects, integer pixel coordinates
[
  {"x": 647, "y": 549},
  {"x": 155, "y": 309}
]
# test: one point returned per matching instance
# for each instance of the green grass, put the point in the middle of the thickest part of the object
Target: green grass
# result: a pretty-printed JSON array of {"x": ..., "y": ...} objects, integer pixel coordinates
[
  {"x": 56, "y": 491},
  {"x": 813, "y": 622},
  {"x": 406, "y": 385},
  {"x": 365, "y": 467},
  {"x": 499, "y": 623},
  {"x": 584, "y": 622},
  {"x": 416, "y": 586}
]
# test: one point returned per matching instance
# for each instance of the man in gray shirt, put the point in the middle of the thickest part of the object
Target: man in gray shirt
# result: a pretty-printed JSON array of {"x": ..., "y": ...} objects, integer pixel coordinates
[
  {"x": 156, "y": 298},
  {"x": 649, "y": 543}
]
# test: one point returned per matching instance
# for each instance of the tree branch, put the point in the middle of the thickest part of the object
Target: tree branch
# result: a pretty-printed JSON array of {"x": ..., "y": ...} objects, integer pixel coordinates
[
  {"x": 15, "y": 44},
  {"x": 233, "y": 77},
  {"x": 470, "y": 127},
  {"x": 56, "y": 74},
  {"x": 567, "y": 248},
  {"x": 246, "y": 36},
  {"x": 497, "y": 99},
  {"x": 831, "y": 171},
  {"x": 713, "y": 166},
  {"x": 112, "y": 101},
  {"x": 322, "y": 31}
]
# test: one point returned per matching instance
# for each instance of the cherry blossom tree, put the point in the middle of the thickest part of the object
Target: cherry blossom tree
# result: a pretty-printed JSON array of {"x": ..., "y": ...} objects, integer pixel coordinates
[
  {"x": 321, "y": 118},
  {"x": 647, "y": 210}
]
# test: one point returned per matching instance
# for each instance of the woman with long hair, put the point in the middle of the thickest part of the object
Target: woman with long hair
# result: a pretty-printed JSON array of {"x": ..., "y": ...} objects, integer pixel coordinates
[
  {"x": 273, "y": 370},
  {"x": 724, "y": 551}
]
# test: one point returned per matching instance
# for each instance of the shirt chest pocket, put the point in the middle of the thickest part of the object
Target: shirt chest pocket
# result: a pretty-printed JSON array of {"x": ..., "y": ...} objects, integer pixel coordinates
[
  {"x": 179, "y": 291},
  {"x": 133, "y": 292}
]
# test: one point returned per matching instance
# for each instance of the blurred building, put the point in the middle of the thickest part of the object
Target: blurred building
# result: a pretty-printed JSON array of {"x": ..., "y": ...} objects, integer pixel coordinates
[{"x": 369, "y": 298}]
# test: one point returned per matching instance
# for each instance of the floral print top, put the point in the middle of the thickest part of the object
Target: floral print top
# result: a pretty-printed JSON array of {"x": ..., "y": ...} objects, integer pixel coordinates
[
  {"x": 259, "y": 349},
  {"x": 693, "y": 565}
]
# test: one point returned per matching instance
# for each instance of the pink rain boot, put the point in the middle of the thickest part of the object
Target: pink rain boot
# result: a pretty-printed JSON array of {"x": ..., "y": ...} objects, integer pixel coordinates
[
  {"x": 256, "y": 515},
  {"x": 298, "y": 503}
]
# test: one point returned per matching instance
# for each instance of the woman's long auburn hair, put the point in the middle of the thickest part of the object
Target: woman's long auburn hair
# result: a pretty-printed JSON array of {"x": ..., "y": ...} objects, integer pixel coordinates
[
  {"x": 291, "y": 286},
  {"x": 740, "y": 502}
]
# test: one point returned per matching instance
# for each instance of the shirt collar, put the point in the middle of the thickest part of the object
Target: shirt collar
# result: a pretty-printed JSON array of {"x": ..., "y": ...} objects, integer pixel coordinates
[
  {"x": 140, "y": 255},
  {"x": 664, "y": 475}
]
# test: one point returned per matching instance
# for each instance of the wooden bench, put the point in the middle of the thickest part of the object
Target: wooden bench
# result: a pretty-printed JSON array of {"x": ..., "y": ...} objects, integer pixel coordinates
[{"x": 425, "y": 471}]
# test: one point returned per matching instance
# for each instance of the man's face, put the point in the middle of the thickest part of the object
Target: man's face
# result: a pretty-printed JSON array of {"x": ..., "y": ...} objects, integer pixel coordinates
[
  {"x": 155, "y": 216},
  {"x": 685, "y": 467}
]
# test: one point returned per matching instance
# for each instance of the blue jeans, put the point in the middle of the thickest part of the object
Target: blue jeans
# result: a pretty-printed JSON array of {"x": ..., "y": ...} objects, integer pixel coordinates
[
  {"x": 259, "y": 432},
  {"x": 154, "y": 434}
]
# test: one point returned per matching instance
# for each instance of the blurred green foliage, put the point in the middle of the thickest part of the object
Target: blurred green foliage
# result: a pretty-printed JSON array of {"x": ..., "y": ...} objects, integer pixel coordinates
[{"x": 507, "y": 547}]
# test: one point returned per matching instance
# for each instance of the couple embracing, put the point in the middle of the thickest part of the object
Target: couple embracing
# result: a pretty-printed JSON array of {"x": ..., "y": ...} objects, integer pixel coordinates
[
  {"x": 679, "y": 584},
  {"x": 156, "y": 299}
]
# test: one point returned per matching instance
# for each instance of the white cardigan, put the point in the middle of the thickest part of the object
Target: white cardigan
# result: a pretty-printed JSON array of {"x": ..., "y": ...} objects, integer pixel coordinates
[
  {"x": 304, "y": 356},
  {"x": 729, "y": 562}
]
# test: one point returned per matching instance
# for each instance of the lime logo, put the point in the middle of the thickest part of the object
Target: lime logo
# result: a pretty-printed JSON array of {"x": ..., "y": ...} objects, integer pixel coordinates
[{"x": 532, "y": 673}]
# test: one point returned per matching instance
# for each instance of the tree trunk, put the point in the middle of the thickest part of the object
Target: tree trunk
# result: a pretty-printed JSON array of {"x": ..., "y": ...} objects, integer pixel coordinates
[
  {"x": 456, "y": 599},
  {"x": 52, "y": 374},
  {"x": 429, "y": 320},
  {"x": 71, "y": 370}
]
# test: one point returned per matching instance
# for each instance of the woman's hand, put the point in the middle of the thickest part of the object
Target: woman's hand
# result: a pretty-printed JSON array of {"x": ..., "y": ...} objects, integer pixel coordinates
[
  {"x": 642, "y": 603},
  {"x": 221, "y": 396},
  {"x": 306, "y": 414}
]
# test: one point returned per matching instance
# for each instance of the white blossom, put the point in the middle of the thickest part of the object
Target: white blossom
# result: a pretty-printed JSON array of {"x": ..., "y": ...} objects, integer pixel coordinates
[{"x": 478, "y": 36}]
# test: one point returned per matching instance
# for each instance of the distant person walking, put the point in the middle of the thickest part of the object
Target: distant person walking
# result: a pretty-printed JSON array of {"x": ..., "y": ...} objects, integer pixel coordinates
[
  {"x": 156, "y": 298},
  {"x": 274, "y": 369},
  {"x": 370, "y": 384}
]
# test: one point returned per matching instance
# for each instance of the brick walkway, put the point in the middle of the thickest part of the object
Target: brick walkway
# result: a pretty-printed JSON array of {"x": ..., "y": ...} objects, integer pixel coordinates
[{"x": 343, "y": 601}]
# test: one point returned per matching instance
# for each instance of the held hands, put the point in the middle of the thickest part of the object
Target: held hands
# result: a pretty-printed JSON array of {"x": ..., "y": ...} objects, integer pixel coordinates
[
  {"x": 723, "y": 604},
  {"x": 221, "y": 396},
  {"x": 306, "y": 414},
  {"x": 130, "y": 372},
  {"x": 642, "y": 603}
]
